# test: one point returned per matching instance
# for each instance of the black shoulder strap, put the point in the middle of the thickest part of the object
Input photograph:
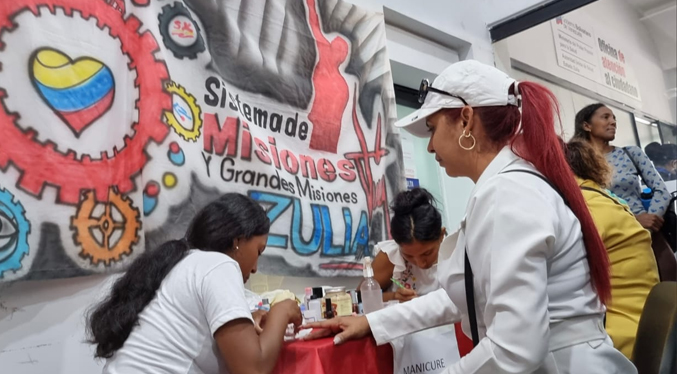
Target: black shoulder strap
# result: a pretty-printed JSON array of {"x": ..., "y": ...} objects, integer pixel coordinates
[
  {"x": 634, "y": 163},
  {"x": 469, "y": 283},
  {"x": 542, "y": 178},
  {"x": 470, "y": 300}
]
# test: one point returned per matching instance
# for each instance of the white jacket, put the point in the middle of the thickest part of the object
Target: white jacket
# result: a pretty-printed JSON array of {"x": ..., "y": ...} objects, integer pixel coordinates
[{"x": 531, "y": 277}]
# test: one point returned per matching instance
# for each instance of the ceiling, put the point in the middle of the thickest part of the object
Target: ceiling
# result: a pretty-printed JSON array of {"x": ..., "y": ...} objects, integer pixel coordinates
[{"x": 660, "y": 18}]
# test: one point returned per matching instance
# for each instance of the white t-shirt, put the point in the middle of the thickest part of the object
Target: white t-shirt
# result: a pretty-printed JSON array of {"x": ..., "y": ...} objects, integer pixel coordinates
[{"x": 175, "y": 334}]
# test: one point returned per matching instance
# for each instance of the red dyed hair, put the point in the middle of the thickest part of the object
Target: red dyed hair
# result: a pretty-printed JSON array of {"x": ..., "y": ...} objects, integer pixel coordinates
[{"x": 537, "y": 142}]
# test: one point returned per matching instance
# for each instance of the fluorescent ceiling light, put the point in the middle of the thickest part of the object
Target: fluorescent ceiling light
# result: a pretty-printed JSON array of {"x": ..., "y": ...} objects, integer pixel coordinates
[{"x": 642, "y": 120}]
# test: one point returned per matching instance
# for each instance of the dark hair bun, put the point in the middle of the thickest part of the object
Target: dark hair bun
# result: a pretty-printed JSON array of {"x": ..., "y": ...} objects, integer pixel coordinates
[{"x": 406, "y": 201}]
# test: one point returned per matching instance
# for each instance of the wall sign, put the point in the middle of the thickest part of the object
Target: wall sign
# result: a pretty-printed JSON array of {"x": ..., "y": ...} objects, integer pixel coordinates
[{"x": 593, "y": 54}]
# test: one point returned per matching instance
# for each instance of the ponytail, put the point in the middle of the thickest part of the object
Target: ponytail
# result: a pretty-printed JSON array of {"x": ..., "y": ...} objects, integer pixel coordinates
[
  {"x": 540, "y": 145},
  {"x": 213, "y": 229},
  {"x": 113, "y": 320},
  {"x": 537, "y": 142}
]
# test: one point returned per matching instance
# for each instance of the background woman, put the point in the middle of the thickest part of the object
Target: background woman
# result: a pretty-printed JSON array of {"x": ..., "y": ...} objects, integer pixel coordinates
[
  {"x": 181, "y": 308},
  {"x": 596, "y": 124},
  {"x": 411, "y": 257},
  {"x": 529, "y": 272},
  {"x": 633, "y": 266}
]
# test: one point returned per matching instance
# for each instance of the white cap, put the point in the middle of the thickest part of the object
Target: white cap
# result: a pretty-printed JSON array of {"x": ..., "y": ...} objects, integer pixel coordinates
[{"x": 477, "y": 83}]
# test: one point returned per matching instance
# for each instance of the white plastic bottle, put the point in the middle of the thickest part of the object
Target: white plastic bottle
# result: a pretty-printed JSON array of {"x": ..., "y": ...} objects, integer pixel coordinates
[{"x": 370, "y": 290}]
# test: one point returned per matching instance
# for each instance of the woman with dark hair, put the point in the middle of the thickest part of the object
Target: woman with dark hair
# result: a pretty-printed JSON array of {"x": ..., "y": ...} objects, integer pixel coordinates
[
  {"x": 529, "y": 275},
  {"x": 633, "y": 267},
  {"x": 181, "y": 308},
  {"x": 411, "y": 257},
  {"x": 596, "y": 124}
]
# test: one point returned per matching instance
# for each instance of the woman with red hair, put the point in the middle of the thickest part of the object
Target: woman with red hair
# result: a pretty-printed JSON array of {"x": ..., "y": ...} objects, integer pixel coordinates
[{"x": 529, "y": 275}]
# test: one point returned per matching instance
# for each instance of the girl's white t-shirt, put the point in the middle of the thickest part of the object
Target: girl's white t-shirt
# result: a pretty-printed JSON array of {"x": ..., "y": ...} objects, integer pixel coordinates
[
  {"x": 423, "y": 281},
  {"x": 176, "y": 330}
]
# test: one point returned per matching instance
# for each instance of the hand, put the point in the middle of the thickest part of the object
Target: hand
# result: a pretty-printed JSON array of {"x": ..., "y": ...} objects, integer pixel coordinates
[
  {"x": 650, "y": 222},
  {"x": 345, "y": 329},
  {"x": 259, "y": 317},
  {"x": 292, "y": 310},
  {"x": 405, "y": 294}
]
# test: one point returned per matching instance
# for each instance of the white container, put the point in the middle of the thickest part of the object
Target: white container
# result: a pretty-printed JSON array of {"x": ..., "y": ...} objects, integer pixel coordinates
[
  {"x": 315, "y": 310},
  {"x": 372, "y": 296}
]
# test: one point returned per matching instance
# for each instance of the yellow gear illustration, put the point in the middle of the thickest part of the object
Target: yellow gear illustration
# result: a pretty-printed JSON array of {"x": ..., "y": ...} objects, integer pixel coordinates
[
  {"x": 95, "y": 234},
  {"x": 195, "y": 111}
]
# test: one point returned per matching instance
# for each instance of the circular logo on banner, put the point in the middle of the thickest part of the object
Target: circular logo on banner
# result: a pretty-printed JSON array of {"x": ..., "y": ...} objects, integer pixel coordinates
[
  {"x": 184, "y": 117},
  {"x": 180, "y": 33},
  {"x": 14, "y": 230}
]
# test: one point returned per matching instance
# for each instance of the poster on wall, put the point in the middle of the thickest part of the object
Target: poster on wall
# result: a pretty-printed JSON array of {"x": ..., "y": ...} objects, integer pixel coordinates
[
  {"x": 120, "y": 118},
  {"x": 593, "y": 54}
]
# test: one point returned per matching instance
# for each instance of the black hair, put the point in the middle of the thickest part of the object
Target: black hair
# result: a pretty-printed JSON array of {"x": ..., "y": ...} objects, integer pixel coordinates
[
  {"x": 585, "y": 115},
  {"x": 214, "y": 229},
  {"x": 654, "y": 152},
  {"x": 664, "y": 154},
  {"x": 415, "y": 217}
]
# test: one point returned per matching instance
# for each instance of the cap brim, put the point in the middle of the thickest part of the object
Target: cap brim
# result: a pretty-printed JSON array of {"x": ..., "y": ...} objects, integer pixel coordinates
[{"x": 415, "y": 122}]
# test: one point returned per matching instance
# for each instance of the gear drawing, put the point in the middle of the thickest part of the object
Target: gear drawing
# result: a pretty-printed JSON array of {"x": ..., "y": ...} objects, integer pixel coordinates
[
  {"x": 14, "y": 231},
  {"x": 64, "y": 171},
  {"x": 180, "y": 33},
  {"x": 97, "y": 235},
  {"x": 195, "y": 111}
]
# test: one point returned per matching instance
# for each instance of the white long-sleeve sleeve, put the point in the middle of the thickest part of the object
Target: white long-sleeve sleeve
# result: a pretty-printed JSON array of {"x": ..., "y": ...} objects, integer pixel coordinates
[
  {"x": 508, "y": 249},
  {"x": 431, "y": 310}
]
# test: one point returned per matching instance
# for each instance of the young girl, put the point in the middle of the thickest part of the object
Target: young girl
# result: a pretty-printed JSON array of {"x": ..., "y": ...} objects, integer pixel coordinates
[
  {"x": 411, "y": 257},
  {"x": 181, "y": 308}
]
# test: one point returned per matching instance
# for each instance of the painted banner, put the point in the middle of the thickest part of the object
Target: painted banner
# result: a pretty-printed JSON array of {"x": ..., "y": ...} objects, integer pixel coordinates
[
  {"x": 120, "y": 118},
  {"x": 592, "y": 54}
]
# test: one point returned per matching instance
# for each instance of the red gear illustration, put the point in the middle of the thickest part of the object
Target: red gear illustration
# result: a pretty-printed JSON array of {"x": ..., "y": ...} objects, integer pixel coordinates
[{"x": 42, "y": 164}]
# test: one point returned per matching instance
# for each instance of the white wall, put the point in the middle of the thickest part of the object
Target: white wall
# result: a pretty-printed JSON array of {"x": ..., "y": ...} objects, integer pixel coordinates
[
  {"x": 42, "y": 323},
  {"x": 535, "y": 48}
]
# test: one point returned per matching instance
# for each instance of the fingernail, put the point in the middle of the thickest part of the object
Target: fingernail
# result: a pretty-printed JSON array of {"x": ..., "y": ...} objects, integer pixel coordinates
[{"x": 337, "y": 340}]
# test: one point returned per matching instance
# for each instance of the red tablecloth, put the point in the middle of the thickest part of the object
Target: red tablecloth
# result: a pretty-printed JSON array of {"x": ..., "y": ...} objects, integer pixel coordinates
[
  {"x": 464, "y": 342},
  {"x": 355, "y": 357},
  {"x": 323, "y": 357}
]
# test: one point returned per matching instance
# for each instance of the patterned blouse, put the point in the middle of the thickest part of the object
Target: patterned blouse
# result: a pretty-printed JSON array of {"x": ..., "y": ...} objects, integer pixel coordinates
[{"x": 627, "y": 185}]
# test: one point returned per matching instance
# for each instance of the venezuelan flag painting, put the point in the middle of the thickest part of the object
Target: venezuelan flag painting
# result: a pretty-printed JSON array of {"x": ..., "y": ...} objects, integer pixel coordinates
[{"x": 79, "y": 91}]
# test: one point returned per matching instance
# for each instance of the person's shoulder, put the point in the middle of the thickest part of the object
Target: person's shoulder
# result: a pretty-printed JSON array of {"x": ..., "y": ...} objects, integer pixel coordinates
[
  {"x": 634, "y": 150},
  {"x": 388, "y": 247},
  {"x": 205, "y": 261}
]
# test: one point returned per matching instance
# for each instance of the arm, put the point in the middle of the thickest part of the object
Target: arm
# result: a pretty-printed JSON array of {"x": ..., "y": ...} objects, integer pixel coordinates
[
  {"x": 508, "y": 250},
  {"x": 661, "y": 198},
  {"x": 225, "y": 308},
  {"x": 245, "y": 351},
  {"x": 430, "y": 310},
  {"x": 383, "y": 271}
]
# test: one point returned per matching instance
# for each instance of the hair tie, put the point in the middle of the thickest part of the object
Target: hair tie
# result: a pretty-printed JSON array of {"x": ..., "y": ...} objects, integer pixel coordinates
[{"x": 517, "y": 98}]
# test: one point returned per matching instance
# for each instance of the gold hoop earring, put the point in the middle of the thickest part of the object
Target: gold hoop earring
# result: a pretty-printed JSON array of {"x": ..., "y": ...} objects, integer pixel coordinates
[{"x": 460, "y": 141}]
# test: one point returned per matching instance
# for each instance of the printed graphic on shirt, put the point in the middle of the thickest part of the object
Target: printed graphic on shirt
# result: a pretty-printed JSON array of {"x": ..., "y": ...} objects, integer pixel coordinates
[
  {"x": 107, "y": 151},
  {"x": 626, "y": 181}
]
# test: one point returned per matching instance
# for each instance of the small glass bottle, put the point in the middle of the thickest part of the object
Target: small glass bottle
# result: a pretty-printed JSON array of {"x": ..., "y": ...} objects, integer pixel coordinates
[
  {"x": 356, "y": 302},
  {"x": 329, "y": 309},
  {"x": 306, "y": 298}
]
